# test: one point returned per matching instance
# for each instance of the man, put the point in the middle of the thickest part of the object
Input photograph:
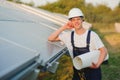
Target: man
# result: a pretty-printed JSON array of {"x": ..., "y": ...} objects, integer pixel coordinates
[{"x": 79, "y": 42}]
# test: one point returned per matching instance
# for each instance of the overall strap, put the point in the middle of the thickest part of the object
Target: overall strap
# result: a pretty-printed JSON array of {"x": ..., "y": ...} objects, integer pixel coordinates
[
  {"x": 72, "y": 38},
  {"x": 88, "y": 38}
]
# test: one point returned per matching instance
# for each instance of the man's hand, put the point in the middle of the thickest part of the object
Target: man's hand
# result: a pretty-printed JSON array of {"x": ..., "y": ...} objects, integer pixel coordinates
[
  {"x": 68, "y": 25},
  {"x": 94, "y": 66}
]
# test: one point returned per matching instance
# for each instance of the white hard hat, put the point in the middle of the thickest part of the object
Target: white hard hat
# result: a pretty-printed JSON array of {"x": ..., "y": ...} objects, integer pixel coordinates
[{"x": 74, "y": 12}]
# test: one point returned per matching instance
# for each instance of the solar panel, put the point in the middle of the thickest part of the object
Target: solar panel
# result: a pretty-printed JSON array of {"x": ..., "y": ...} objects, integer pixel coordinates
[{"x": 23, "y": 40}]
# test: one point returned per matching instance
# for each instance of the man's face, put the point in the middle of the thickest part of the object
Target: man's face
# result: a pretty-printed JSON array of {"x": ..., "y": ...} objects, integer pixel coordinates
[{"x": 77, "y": 22}]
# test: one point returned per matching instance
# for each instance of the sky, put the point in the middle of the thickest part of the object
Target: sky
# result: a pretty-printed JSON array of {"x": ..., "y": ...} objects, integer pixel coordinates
[
  {"x": 110, "y": 3},
  {"x": 39, "y": 2}
]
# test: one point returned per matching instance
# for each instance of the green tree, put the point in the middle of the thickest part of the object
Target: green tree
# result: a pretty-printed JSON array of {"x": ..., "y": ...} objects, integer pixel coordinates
[
  {"x": 90, "y": 16},
  {"x": 101, "y": 12},
  {"x": 115, "y": 14},
  {"x": 63, "y": 6}
]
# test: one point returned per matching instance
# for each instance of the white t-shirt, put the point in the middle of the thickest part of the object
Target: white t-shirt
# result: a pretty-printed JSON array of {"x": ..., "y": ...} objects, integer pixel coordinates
[{"x": 80, "y": 41}]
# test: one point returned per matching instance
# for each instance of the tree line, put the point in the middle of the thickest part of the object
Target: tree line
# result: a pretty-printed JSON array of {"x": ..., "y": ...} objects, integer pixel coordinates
[{"x": 100, "y": 13}]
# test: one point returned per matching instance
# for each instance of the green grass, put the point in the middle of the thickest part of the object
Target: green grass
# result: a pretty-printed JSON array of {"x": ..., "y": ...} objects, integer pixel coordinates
[
  {"x": 111, "y": 40},
  {"x": 109, "y": 72},
  {"x": 112, "y": 71}
]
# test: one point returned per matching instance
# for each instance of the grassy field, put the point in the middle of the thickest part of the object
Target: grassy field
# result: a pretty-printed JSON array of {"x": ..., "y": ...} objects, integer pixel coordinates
[{"x": 111, "y": 39}]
